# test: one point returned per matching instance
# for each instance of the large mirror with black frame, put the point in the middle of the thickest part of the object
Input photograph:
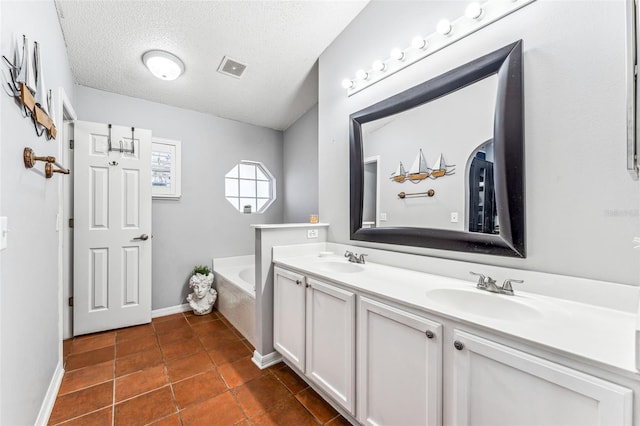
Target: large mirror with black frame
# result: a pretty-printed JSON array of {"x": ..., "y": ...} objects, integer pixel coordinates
[{"x": 441, "y": 165}]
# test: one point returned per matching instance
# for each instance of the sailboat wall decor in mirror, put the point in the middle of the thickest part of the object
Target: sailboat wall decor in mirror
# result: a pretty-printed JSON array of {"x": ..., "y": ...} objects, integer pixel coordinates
[{"x": 469, "y": 123}]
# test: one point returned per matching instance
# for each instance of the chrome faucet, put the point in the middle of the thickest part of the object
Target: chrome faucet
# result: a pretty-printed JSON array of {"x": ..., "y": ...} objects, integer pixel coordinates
[
  {"x": 353, "y": 257},
  {"x": 489, "y": 284}
]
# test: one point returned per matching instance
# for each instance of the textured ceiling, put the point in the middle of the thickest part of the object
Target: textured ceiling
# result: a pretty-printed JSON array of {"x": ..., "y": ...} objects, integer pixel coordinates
[{"x": 280, "y": 41}]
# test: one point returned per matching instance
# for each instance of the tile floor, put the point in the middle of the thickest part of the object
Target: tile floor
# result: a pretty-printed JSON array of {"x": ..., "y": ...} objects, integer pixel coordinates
[{"x": 180, "y": 370}]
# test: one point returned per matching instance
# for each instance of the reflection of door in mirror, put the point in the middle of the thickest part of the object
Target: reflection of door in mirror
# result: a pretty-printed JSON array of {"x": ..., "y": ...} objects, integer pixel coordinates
[
  {"x": 483, "y": 215},
  {"x": 370, "y": 201}
]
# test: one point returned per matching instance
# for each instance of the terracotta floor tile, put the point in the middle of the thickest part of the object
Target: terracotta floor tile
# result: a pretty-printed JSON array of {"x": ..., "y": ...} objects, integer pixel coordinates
[
  {"x": 81, "y": 402},
  {"x": 93, "y": 341},
  {"x": 290, "y": 379},
  {"x": 66, "y": 347},
  {"x": 145, "y": 408},
  {"x": 277, "y": 366},
  {"x": 240, "y": 371},
  {"x": 179, "y": 315},
  {"x": 249, "y": 345},
  {"x": 183, "y": 333},
  {"x": 133, "y": 332},
  {"x": 128, "y": 347},
  {"x": 338, "y": 421},
  {"x": 199, "y": 319},
  {"x": 189, "y": 366},
  {"x": 172, "y": 420},
  {"x": 198, "y": 388},
  {"x": 209, "y": 327},
  {"x": 85, "y": 359},
  {"x": 181, "y": 348},
  {"x": 220, "y": 410},
  {"x": 171, "y": 326},
  {"x": 138, "y": 361},
  {"x": 316, "y": 405},
  {"x": 97, "y": 418},
  {"x": 288, "y": 412},
  {"x": 260, "y": 394},
  {"x": 218, "y": 338},
  {"x": 86, "y": 377},
  {"x": 229, "y": 352},
  {"x": 140, "y": 382}
]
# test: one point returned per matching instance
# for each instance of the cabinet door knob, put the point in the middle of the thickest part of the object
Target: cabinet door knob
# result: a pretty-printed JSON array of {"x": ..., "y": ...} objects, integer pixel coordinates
[
  {"x": 430, "y": 334},
  {"x": 298, "y": 282},
  {"x": 458, "y": 345}
]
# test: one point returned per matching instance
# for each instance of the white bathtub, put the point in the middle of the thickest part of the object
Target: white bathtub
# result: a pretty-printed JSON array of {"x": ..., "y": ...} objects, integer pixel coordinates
[{"x": 235, "y": 284}]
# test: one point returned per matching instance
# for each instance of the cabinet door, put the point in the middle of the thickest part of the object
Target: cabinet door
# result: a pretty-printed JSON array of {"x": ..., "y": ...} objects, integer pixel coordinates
[
  {"x": 399, "y": 367},
  {"x": 497, "y": 385},
  {"x": 288, "y": 315},
  {"x": 330, "y": 352}
]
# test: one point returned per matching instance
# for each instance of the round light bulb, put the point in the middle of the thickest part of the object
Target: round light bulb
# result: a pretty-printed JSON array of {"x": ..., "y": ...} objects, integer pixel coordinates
[
  {"x": 473, "y": 11},
  {"x": 362, "y": 75},
  {"x": 378, "y": 65},
  {"x": 419, "y": 43},
  {"x": 397, "y": 54},
  {"x": 163, "y": 65},
  {"x": 347, "y": 84},
  {"x": 444, "y": 27}
]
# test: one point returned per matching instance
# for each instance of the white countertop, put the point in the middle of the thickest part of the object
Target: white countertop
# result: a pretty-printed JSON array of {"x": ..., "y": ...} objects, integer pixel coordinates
[{"x": 587, "y": 332}]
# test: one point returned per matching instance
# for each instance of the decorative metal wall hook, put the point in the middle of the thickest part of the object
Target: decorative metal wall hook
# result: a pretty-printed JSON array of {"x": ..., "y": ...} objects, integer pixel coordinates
[
  {"x": 113, "y": 163},
  {"x": 30, "y": 158}
]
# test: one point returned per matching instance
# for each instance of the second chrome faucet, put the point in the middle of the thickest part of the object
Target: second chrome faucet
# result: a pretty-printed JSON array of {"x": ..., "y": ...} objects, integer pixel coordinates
[
  {"x": 353, "y": 257},
  {"x": 487, "y": 283}
]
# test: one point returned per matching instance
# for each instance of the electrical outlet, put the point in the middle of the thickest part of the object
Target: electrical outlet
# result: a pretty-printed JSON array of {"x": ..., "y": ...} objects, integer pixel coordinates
[
  {"x": 454, "y": 217},
  {"x": 312, "y": 233},
  {"x": 383, "y": 216}
]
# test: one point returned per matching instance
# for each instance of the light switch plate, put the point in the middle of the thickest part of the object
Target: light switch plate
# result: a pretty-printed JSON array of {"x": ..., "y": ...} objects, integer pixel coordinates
[
  {"x": 312, "y": 233},
  {"x": 4, "y": 232},
  {"x": 454, "y": 217}
]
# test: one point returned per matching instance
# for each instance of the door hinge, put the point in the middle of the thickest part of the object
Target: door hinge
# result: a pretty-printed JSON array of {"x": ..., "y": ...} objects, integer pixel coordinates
[
  {"x": 70, "y": 143},
  {"x": 71, "y": 301},
  {"x": 70, "y": 222}
]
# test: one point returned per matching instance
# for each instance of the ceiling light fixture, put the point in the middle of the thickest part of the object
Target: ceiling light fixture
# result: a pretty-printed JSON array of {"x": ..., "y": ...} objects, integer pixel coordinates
[
  {"x": 444, "y": 27},
  {"x": 163, "y": 64},
  {"x": 476, "y": 16},
  {"x": 473, "y": 11}
]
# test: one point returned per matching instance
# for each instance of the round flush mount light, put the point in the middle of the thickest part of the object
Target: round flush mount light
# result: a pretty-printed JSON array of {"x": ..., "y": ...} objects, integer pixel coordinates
[
  {"x": 444, "y": 27},
  {"x": 347, "y": 84},
  {"x": 163, "y": 64}
]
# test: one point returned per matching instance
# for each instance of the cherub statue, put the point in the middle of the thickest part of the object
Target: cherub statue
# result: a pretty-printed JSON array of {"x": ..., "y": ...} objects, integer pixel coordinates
[{"x": 203, "y": 296}]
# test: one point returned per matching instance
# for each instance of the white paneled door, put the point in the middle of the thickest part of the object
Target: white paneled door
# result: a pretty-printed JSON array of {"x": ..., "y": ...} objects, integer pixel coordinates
[{"x": 112, "y": 227}]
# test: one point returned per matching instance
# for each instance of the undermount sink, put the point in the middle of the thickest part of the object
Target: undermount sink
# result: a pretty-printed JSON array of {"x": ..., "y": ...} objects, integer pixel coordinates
[
  {"x": 344, "y": 267},
  {"x": 483, "y": 303}
]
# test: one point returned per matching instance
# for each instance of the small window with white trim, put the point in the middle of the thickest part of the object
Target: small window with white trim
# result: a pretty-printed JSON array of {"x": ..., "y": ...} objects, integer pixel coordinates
[{"x": 250, "y": 187}]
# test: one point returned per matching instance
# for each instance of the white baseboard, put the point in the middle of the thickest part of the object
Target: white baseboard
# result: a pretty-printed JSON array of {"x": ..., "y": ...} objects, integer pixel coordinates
[
  {"x": 50, "y": 396},
  {"x": 264, "y": 361},
  {"x": 170, "y": 310}
]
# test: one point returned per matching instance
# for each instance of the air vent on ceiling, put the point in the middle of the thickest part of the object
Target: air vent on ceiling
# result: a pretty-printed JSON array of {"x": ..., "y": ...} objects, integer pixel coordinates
[{"x": 231, "y": 67}]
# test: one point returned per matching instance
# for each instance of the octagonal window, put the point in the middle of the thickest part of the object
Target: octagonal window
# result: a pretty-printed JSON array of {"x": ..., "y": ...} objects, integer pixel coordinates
[{"x": 250, "y": 187}]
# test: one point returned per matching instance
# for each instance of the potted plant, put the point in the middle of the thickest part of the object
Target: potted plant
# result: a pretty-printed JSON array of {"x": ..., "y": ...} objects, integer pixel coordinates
[{"x": 203, "y": 296}]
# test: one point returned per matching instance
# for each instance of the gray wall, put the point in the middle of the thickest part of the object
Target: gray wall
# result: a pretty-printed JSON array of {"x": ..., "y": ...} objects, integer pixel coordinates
[
  {"x": 202, "y": 224},
  {"x": 301, "y": 168},
  {"x": 581, "y": 204},
  {"x": 29, "y": 303}
]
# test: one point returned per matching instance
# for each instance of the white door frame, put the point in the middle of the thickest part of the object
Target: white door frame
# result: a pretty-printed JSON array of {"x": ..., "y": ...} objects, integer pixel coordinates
[{"x": 65, "y": 115}]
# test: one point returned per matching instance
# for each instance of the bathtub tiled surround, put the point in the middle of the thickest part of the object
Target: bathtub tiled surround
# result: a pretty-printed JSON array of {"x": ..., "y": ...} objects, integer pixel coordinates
[
  {"x": 571, "y": 339},
  {"x": 180, "y": 370}
]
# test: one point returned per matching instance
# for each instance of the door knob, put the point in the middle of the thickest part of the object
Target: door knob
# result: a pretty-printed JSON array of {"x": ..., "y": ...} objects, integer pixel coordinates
[{"x": 143, "y": 237}]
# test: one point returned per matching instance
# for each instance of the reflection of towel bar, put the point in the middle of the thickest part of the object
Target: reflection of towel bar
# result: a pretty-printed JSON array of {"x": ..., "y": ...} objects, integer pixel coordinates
[{"x": 429, "y": 193}]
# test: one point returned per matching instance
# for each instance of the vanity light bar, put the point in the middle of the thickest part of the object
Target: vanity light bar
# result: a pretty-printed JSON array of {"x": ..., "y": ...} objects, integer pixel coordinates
[{"x": 476, "y": 16}]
